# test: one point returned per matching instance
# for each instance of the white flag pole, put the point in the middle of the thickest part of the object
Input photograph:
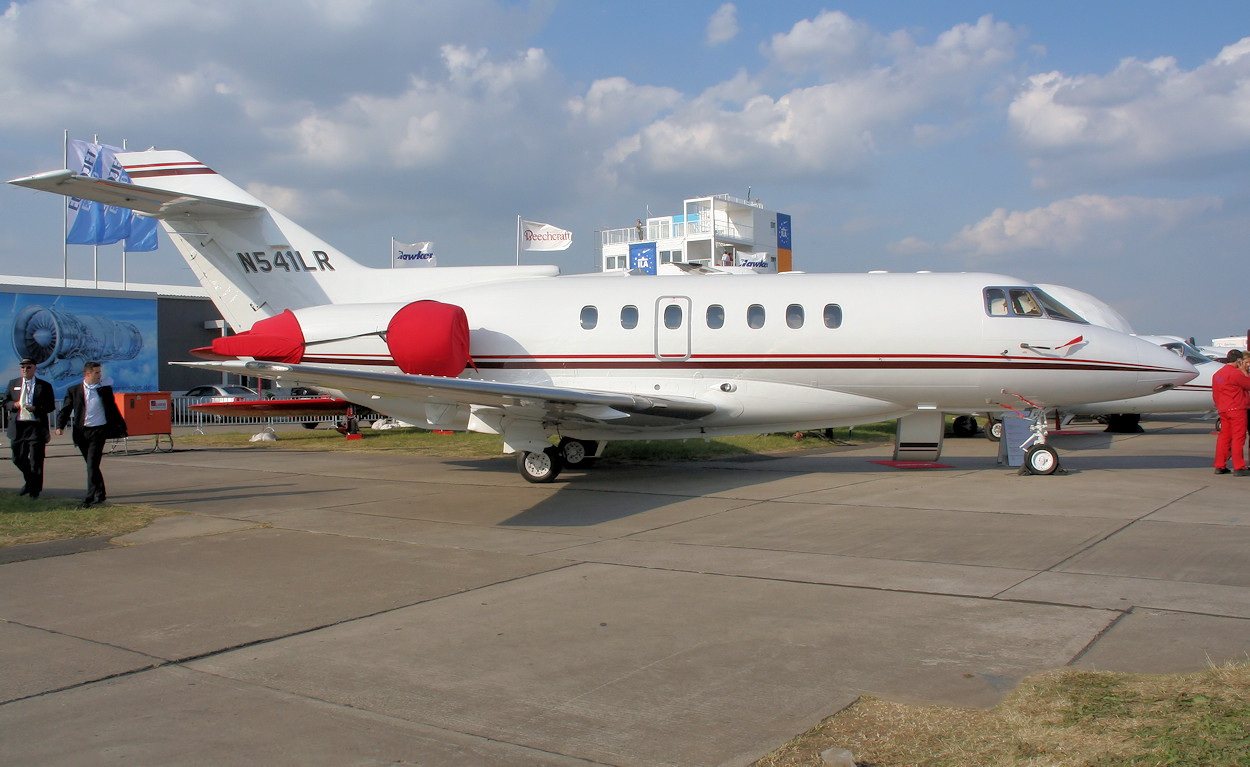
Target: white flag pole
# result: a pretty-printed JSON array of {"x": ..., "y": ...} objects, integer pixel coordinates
[
  {"x": 392, "y": 251},
  {"x": 65, "y": 220},
  {"x": 95, "y": 249},
  {"x": 123, "y": 241},
  {"x": 518, "y": 240}
]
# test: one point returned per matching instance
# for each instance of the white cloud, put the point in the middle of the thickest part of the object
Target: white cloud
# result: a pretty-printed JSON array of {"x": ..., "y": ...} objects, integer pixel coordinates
[
  {"x": 837, "y": 124},
  {"x": 431, "y": 119},
  {"x": 1087, "y": 225},
  {"x": 830, "y": 43},
  {"x": 723, "y": 25},
  {"x": 910, "y": 246},
  {"x": 615, "y": 101},
  {"x": 1145, "y": 117}
]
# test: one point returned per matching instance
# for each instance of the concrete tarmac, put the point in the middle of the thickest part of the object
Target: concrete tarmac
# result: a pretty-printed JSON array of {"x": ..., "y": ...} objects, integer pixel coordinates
[{"x": 330, "y": 609}]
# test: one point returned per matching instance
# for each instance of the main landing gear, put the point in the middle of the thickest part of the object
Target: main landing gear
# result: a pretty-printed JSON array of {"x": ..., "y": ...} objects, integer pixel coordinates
[
  {"x": 544, "y": 466},
  {"x": 540, "y": 467}
]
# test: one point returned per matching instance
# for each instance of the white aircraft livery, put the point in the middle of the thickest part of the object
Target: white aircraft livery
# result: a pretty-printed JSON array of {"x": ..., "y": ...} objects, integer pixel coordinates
[{"x": 535, "y": 356}]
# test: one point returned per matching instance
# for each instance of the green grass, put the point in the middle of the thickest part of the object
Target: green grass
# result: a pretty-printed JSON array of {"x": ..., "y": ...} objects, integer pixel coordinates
[
  {"x": 23, "y": 520},
  {"x": 466, "y": 444}
]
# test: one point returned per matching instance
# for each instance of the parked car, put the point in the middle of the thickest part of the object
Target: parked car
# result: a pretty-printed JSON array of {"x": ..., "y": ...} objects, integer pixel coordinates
[{"x": 215, "y": 393}]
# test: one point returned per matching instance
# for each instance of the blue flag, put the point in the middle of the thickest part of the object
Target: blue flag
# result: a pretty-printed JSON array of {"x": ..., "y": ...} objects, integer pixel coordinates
[
  {"x": 96, "y": 224},
  {"x": 642, "y": 257}
]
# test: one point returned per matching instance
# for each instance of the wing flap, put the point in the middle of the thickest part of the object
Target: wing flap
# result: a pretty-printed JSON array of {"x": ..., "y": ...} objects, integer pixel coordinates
[{"x": 468, "y": 391}]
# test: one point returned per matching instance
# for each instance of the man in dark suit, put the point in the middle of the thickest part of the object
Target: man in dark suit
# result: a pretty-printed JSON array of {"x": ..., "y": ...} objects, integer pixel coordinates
[
  {"x": 96, "y": 419},
  {"x": 29, "y": 401}
]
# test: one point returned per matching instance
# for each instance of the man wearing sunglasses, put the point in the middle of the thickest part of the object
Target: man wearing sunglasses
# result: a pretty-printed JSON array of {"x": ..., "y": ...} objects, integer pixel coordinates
[{"x": 28, "y": 401}]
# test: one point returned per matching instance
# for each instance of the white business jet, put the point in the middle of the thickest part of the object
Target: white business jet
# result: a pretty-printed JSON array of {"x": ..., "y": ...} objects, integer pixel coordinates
[{"x": 533, "y": 356}]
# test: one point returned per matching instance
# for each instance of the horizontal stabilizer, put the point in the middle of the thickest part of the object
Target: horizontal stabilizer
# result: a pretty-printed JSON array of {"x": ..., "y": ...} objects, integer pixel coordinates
[{"x": 157, "y": 203}]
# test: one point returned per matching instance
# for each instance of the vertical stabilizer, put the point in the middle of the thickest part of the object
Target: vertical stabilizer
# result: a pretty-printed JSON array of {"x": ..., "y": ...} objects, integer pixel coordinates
[{"x": 253, "y": 260}]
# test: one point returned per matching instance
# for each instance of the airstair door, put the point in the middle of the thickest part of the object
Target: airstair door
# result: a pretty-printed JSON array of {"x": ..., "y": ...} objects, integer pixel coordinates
[{"x": 672, "y": 328}]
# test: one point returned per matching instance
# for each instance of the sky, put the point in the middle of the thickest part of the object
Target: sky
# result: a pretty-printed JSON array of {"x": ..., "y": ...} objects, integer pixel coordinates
[{"x": 1104, "y": 146}]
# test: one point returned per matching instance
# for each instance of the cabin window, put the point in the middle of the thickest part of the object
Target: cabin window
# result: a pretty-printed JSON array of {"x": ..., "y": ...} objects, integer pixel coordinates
[
  {"x": 629, "y": 317},
  {"x": 716, "y": 316},
  {"x": 833, "y": 316},
  {"x": 996, "y": 302},
  {"x": 672, "y": 316},
  {"x": 590, "y": 317},
  {"x": 794, "y": 316},
  {"x": 755, "y": 316}
]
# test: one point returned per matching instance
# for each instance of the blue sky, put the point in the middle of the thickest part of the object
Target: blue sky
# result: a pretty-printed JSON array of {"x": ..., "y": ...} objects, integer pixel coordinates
[{"x": 1104, "y": 146}]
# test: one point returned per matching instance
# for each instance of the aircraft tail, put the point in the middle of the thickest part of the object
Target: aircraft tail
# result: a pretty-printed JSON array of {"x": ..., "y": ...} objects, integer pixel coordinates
[{"x": 254, "y": 262}]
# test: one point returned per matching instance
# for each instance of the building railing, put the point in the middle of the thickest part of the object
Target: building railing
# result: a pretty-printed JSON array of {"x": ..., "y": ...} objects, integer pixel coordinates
[{"x": 664, "y": 230}]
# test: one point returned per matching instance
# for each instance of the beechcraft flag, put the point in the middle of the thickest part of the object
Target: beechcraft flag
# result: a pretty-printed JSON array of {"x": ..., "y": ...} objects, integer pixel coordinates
[
  {"x": 536, "y": 236},
  {"x": 96, "y": 224}
]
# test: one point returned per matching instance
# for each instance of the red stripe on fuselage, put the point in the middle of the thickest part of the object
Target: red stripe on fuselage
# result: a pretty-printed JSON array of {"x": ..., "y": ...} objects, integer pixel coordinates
[{"x": 780, "y": 362}]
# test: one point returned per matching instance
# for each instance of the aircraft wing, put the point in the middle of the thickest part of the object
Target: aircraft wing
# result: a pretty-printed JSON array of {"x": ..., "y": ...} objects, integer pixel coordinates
[
  {"x": 554, "y": 401},
  {"x": 157, "y": 203}
]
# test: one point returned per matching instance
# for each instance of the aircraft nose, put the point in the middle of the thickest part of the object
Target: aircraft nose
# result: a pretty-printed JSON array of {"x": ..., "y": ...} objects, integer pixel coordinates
[{"x": 1160, "y": 368}]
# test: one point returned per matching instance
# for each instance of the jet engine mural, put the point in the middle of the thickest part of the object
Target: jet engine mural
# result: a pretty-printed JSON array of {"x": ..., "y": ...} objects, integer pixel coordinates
[
  {"x": 60, "y": 342},
  {"x": 62, "y": 332}
]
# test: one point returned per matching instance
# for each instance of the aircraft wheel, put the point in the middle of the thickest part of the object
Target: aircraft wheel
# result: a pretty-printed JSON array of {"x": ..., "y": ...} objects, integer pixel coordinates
[
  {"x": 539, "y": 467},
  {"x": 993, "y": 429},
  {"x": 1041, "y": 459},
  {"x": 309, "y": 424},
  {"x": 964, "y": 426},
  {"x": 577, "y": 453}
]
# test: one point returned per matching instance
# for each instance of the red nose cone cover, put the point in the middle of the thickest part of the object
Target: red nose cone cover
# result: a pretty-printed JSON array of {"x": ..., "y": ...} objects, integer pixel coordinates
[
  {"x": 429, "y": 338},
  {"x": 276, "y": 339}
]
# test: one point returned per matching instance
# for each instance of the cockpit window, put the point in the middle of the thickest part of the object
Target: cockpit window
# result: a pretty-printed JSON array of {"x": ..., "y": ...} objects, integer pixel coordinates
[
  {"x": 1027, "y": 302},
  {"x": 1023, "y": 303},
  {"x": 996, "y": 302},
  {"x": 1055, "y": 309},
  {"x": 1187, "y": 352}
]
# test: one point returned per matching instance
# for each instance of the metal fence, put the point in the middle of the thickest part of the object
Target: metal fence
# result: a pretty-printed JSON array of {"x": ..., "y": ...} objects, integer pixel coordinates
[{"x": 183, "y": 415}]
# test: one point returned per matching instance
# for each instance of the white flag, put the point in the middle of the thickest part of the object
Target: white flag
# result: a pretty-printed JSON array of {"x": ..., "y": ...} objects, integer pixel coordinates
[
  {"x": 536, "y": 236},
  {"x": 415, "y": 254}
]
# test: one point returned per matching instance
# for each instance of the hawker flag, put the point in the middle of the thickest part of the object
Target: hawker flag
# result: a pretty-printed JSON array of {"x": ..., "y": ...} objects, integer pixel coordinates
[
  {"x": 96, "y": 224},
  {"x": 415, "y": 254},
  {"x": 538, "y": 236}
]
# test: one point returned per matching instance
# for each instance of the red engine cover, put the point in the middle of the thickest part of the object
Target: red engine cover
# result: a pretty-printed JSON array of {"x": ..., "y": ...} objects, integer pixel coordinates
[
  {"x": 276, "y": 339},
  {"x": 429, "y": 338}
]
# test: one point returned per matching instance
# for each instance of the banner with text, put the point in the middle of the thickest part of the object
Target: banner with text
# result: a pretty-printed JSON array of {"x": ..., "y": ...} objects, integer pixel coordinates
[
  {"x": 538, "y": 236},
  {"x": 414, "y": 254},
  {"x": 642, "y": 257},
  {"x": 96, "y": 224}
]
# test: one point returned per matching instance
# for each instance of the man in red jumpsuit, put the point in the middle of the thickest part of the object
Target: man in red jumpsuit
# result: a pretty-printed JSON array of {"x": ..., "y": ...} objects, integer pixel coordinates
[{"x": 1229, "y": 387}]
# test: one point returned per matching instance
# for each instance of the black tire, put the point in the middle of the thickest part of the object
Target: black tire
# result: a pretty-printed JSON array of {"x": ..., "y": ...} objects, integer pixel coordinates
[
  {"x": 1041, "y": 459},
  {"x": 993, "y": 429},
  {"x": 964, "y": 426},
  {"x": 309, "y": 424},
  {"x": 577, "y": 453},
  {"x": 541, "y": 467},
  {"x": 1124, "y": 423}
]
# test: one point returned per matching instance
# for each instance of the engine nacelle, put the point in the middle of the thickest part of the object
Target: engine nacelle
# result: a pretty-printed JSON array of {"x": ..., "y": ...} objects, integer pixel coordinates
[{"x": 420, "y": 338}]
